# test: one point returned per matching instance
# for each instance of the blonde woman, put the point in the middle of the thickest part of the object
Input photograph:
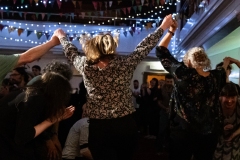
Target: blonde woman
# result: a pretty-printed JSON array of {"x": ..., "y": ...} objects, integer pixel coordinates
[
  {"x": 195, "y": 101},
  {"x": 107, "y": 78}
]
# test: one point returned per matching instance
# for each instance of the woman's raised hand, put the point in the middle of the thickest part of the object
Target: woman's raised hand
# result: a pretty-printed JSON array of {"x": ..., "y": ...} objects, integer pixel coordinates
[
  {"x": 59, "y": 33},
  {"x": 167, "y": 22},
  {"x": 174, "y": 26},
  {"x": 68, "y": 112}
]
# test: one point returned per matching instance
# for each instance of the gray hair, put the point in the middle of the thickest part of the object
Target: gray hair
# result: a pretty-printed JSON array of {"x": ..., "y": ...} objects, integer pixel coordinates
[{"x": 198, "y": 58}]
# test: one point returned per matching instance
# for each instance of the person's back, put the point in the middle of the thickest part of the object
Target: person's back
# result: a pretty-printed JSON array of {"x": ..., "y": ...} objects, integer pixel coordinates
[
  {"x": 107, "y": 79},
  {"x": 77, "y": 137},
  {"x": 12, "y": 134},
  {"x": 194, "y": 104},
  {"x": 20, "y": 118},
  {"x": 196, "y": 95}
]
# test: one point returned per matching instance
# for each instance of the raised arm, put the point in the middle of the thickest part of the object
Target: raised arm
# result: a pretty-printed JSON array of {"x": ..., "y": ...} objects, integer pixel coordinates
[
  {"x": 36, "y": 52},
  {"x": 235, "y": 61},
  {"x": 147, "y": 44},
  {"x": 162, "y": 52},
  {"x": 39, "y": 128},
  {"x": 167, "y": 38},
  {"x": 69, "y": 49},
  {"x": 28, "y": 127},
  {"x": 226, "y": 62}
]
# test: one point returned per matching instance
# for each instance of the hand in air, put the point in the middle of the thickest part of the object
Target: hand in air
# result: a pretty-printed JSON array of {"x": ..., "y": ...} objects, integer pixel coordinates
[
  {"x": 167, "y": 22},
  {"x": 174, "y": 26},
  {"x": 59, "y": 33}
]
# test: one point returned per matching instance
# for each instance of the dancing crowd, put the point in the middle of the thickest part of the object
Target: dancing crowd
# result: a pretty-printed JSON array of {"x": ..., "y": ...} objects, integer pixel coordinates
[{"x": 194, "y": 112}]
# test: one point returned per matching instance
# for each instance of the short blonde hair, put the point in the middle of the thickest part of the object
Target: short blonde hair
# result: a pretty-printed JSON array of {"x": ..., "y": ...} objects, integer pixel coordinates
[
  {"x": 198, "y": 58},
  {"x": 100, "y": 46}
]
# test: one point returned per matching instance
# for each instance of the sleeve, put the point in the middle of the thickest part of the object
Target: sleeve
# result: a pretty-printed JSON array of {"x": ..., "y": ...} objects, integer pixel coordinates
[
  {"x": 47, "y": 134},
  {"x": 174, "y": 67},
  {"x": 83, "y": 138},
  {"x": 71, "y": 52},
  {"x": 144, "y": 48},
  {"x": 35, "y": 79},
  {"x": 220, "y": 74},
  {"x": 8, "y": 62},
  {"x": 30, "y": 114}
]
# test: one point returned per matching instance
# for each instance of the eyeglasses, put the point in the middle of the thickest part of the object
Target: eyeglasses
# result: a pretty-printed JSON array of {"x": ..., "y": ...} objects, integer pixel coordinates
[{"x": 14, "y": 75}]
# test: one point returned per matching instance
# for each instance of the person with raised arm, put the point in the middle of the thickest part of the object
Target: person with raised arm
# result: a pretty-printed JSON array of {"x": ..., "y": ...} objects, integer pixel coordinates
[
  {"x": 107, "y": 77},
  {"x": 8, "y": 62},
  {"x": 195, "y": 101}
]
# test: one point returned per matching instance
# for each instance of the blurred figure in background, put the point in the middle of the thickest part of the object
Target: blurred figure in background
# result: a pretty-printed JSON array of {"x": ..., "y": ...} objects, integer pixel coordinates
[{"x": 36, "y": 70}]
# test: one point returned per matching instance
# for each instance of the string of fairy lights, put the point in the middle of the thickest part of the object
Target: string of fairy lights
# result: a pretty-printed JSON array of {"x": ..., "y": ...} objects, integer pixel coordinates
[
  {"x": 71, "y": 30},
  {"x": 150, "y": 13}
]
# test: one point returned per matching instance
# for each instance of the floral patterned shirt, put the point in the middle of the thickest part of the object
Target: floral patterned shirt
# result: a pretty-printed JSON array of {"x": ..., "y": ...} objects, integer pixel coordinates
[
  {"x": 195, "y": 98},
  {"x": 109, "y": 94}
]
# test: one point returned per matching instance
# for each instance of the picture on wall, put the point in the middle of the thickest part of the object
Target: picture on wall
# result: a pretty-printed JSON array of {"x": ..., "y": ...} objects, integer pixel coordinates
[{"x": 148, "y": 76}]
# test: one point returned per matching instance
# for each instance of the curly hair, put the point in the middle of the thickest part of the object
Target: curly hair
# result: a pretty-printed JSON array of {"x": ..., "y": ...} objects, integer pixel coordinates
[
  {"x": 59, "y": 67},
  {"x": 56, "y": 88},
  {"x": 99, "y": 47},
  {"x": 198, "y": 58}
]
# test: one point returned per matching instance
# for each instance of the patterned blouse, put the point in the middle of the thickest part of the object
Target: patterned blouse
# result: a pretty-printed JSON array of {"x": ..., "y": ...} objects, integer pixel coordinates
[
  {"x": 109, "y": 94},
  {"x": 229, "y": 150},
  {"x": 194, "y": 98}
]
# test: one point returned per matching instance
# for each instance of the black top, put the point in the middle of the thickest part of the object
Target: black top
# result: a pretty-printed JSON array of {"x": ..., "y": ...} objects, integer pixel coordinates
[
  {"x": 196, "y": 98},
  {"x": 17, "y": 131}
]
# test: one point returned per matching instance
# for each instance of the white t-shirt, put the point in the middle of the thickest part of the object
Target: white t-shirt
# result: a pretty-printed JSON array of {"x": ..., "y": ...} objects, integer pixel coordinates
[
  {"x": 77, "y": 136},
  {"x": 134, "y": 99}
]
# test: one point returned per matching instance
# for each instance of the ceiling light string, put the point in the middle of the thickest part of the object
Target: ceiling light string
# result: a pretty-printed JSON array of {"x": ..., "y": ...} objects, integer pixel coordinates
[{"x": 86, "y": 16}]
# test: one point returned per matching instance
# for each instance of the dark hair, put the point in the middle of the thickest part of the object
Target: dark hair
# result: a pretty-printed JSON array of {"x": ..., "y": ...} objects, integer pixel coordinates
[
  {"x": 6, "y": 82},
  {"x": 59, "y": 67},
  {"x": 56, "y": 88},
  {"x": 229, "y": 67},
  {"x": 230, "y": 90},
  {"x": 169, "y": 76},
  {"x": 156, "y": 80},
  {"x": 37, "y": 67},
  {"x": 135, "y": 80},
  {"x": 82, "y": 93},
  {"x": 22, "y": 71}
]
